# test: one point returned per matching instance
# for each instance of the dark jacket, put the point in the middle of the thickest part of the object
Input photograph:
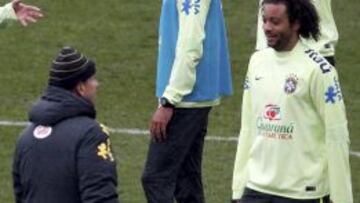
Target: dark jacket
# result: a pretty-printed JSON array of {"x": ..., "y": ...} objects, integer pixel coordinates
[{"x": 64, "y": 155}]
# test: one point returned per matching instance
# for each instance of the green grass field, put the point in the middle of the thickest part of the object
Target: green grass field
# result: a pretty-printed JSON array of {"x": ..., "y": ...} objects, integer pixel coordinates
[{"x": 122, "y": 37}]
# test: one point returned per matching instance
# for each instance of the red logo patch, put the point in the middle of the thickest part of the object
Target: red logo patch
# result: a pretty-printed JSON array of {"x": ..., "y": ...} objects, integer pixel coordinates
[{"x": 272, "y": 112}]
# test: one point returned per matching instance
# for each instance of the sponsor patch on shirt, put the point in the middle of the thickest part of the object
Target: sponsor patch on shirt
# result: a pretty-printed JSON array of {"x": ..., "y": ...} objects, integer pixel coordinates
[
  {"x": 272, "y": 126},
  {"x": 272, "y": 112},
  {"x": 42, "y": 132},
  {"x": 191, "y": 6}
]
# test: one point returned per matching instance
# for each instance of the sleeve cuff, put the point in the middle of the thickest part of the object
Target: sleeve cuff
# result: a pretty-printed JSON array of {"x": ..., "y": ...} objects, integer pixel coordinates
[
  {"x": 172, "y": 95},
  {"x": 9, "y": 11},
  {"x": 237, "y": 194}
]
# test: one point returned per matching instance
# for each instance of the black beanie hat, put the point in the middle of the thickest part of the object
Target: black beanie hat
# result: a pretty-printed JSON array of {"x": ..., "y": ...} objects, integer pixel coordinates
[{"x": 69, "y": 68}]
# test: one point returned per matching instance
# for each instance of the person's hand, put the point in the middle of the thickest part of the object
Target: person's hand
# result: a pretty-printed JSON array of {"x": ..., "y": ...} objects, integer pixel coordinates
[
  {"x": 26, "y": 13},
  {"x": 159, "y": 123}
]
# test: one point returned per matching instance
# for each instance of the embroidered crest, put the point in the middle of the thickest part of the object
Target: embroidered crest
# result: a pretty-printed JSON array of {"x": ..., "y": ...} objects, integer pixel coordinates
[
  {"x": 104, "y": 151},
  {"x": 41, "y": 132},
  {"x": 291, "y": 84}
]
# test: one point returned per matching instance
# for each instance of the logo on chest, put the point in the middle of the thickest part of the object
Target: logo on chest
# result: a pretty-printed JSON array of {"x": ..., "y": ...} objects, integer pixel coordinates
[
  {"x": 42, "y": 132},
  {"x": 272, "y": 112},
  {"x": 271, "y": 124},
  {"x": 291, "y": 84}
]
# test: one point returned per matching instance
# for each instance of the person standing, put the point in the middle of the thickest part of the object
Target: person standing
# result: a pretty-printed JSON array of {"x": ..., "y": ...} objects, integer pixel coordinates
[
  {"x": 294, "y": 141},
  {"x": 193, "y": 74},
  {"x": 65, "y": 155}
]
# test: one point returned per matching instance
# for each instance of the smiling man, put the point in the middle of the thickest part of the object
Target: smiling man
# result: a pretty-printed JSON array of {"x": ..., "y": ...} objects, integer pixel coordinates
[
  {"x": 294, "y": 142},
  {"x": 326, "y": 42}
]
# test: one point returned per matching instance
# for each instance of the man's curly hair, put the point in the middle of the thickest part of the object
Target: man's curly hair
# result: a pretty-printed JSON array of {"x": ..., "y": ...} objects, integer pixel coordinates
[{"x": 304, "y": 12}]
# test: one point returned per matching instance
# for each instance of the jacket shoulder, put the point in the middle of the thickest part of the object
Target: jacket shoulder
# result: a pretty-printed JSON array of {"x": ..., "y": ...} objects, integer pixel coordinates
[{"x": 84, "y": 126}]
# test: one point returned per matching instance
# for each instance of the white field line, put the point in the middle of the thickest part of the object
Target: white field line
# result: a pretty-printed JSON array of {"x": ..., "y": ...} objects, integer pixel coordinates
[{"x": 134, "y": 131}]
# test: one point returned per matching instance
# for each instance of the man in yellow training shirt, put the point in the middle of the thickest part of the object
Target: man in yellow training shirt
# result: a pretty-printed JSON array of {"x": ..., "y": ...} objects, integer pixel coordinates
[{"x": 294, "y": 140}]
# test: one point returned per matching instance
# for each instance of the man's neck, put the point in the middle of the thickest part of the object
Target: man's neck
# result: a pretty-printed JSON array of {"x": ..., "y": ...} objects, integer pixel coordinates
[{"x": 291, "y": 44}]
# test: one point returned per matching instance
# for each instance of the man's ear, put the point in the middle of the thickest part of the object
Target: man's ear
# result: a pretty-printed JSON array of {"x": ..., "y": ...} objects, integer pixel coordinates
[
  {"x": 79, "y": 89},
  {"x": 295, "y": 26}
]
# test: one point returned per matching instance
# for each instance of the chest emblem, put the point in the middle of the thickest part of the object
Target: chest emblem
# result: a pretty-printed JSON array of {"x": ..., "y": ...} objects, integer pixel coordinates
[
  {"x": 42, "y": 132},
  {"x": 272, "y": 112},
  {"x": 291, "y": 83}
]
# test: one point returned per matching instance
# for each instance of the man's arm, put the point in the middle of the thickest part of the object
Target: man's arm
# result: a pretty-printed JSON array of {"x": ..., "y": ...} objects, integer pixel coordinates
[
  {"x": 189, "y": 50},
  {"x": 328, "y": 99},
  {"x": 7, "y": 13},
  {"x": 96, "y": 168},
  {"x": 18, "y": 191},
  {"x": 240, "y": 174},
  {"x": 16, "y": 10}
]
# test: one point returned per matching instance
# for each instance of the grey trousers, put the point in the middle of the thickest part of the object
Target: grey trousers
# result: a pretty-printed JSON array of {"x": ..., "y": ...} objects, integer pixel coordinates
[{"x": 173, "y": 167}]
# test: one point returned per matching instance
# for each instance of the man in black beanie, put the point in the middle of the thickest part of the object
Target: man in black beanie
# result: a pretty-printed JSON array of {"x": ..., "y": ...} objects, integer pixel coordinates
[{"x": 64, "y": 155}]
